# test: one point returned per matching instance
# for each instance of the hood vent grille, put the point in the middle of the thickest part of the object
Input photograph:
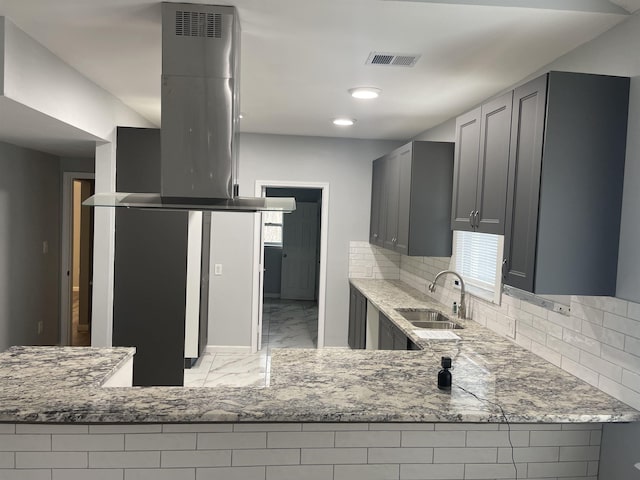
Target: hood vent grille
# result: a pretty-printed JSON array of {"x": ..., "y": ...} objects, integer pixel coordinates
[
  {"x": 198, "y": 24},
  {"x": 392, "y": 59}
]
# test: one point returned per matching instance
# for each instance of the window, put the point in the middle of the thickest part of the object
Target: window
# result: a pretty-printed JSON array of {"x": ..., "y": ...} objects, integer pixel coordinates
[
  {"x": 272, "y": 230},
  {"x": 478, "y": 258}
]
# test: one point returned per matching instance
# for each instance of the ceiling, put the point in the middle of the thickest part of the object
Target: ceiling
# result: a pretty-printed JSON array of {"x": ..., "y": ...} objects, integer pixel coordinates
[{"x": 299, "y": 57}]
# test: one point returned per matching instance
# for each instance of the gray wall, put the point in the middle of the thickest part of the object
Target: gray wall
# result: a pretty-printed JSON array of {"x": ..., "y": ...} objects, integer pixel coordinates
[
  {"x": 68, "y": 164},
  {"x": 29, "y": 215},
  {"x": 343, "y": 163},
  {"x": 619, "y": 451},
  {"x": 230, "y": 294}
]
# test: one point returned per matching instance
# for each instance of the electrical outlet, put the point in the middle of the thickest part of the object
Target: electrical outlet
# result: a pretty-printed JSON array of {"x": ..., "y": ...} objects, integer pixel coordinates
[
  {"x": 40, "y": 327},
  {"x": 217, "y": 269},
  {"x": 45, "y": 247}
]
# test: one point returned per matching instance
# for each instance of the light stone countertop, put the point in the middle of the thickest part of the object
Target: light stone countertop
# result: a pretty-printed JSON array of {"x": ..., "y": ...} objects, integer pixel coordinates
[{"x": 62, "y": 385}]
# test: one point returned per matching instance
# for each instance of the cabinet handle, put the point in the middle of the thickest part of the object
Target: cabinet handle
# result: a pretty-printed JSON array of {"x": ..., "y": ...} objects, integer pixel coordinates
[
  {"x": 375, "y": 235},
  {"x": 477, "y": 221},
  {"x": 504, "y": 268},
  {"x": 471, "y": 219}
]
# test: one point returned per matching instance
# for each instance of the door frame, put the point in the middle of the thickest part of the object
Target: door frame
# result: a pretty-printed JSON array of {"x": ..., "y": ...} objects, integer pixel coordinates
[
  {"x": 65, "y": 251},
  {"x": 258, "y": 247}
]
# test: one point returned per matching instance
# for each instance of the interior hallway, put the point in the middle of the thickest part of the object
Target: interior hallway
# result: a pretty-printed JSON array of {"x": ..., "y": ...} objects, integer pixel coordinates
[{"x": 285, "y": 324}]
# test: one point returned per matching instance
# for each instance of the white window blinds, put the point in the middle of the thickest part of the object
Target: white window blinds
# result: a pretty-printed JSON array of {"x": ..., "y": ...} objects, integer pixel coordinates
[{"x": 476, "y": 256}]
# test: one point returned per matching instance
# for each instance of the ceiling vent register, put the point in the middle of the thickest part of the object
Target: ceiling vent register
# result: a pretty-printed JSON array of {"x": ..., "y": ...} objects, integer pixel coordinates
[
  {"x": 392, "y": 59},
  {"x": 198, "y": 24}
]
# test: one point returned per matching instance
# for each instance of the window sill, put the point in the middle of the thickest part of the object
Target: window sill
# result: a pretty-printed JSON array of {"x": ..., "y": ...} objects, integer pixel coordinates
[{"x": 482, "y": 294}]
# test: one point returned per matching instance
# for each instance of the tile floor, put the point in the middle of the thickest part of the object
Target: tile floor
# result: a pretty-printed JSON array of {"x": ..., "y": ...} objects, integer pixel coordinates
[{"x": 285, "y": 324}]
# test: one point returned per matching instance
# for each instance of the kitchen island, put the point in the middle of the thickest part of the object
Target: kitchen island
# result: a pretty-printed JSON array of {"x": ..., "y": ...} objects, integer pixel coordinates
[{"x": 331, "y": 413}]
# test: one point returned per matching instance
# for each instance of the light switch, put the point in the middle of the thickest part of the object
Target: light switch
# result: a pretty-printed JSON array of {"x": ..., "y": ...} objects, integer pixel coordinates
[{"x": 217, "y": 269}]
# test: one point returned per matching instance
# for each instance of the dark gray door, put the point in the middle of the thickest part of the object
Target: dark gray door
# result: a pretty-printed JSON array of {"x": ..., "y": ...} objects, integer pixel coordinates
[
  {"x": 385, "y": 334},
  {"x": 493, "y": 165},
  {"x": 384, "y": 195},
  {"x": 525, "y": 160},
  {"x": 465, "y": 170},
  {"x": 204, "y": 283},
  {"x": 404, "y": 161}
]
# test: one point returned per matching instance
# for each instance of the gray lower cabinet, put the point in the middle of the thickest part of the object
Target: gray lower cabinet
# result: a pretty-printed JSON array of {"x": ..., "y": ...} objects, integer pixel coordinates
[
  {"x": 481, "y": 167},
  {"x": 391, "y": 337},
  {"x": 357, "y": 319},
  {"x": 567, "y": 155},
  {"x": 411, "y": 199}
]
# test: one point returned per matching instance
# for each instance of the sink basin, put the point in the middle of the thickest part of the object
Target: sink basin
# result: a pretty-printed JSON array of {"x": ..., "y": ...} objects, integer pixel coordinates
[
  {"x": 423, "y": 315},
  {"x": 448, "y": 325},
  {"x": 428, "y": 318}
]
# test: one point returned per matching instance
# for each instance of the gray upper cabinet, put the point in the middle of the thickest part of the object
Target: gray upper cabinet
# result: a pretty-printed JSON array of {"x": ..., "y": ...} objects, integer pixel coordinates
[
  {"x": 567, "y": 153},
  {"x": 481, "y": 167},
  {"x": 411, "y": 199}
]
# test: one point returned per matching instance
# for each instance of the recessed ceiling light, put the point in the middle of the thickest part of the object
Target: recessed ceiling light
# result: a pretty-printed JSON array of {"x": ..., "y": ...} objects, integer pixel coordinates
[
  {"x": 344, "y": 122},
  {"x": 365, "y": 93}
]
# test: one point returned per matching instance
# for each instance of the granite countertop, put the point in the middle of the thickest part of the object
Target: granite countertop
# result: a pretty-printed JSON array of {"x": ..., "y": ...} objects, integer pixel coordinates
[{"x": 492, "y": 376}]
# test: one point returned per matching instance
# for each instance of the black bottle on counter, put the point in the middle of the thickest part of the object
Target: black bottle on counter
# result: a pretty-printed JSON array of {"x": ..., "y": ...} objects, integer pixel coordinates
[{"x": 444, "y": 376}]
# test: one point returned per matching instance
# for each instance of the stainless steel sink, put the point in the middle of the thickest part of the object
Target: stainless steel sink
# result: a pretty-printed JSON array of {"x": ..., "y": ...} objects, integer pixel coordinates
[
  {"x": 428, "y": 318},
  {"x": 448, "y": 325}
]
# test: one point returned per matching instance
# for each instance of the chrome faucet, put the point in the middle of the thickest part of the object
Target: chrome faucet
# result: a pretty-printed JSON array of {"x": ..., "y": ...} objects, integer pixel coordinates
[{"x": 462, "y": 309}]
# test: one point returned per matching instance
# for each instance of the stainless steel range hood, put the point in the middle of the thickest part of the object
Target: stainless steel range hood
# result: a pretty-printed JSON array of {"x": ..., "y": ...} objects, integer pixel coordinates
[{"x": 200, "y": 109}]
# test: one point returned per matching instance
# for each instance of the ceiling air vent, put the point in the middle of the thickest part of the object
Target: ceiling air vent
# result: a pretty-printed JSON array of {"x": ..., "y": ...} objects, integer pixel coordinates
[
  {"x": 198, "y": 24},
  {"x": 392, "y": 59}
]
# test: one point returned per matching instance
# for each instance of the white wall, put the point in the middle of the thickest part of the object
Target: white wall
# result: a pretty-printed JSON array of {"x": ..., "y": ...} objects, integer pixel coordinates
[
  {"x": 230, "y": 294},
  {"x": 343, "y": 163}
]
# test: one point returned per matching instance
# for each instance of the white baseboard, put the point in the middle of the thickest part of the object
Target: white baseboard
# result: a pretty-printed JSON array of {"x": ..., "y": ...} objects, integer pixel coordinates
[{"x": 227, "y": 349}]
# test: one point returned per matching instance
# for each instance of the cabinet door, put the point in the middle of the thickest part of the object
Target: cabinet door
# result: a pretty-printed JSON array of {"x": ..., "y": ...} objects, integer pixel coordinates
[
  {"x": 399, "y": 339},
  {"x": 525, "y": 160},
  {"x": 465, "y": 170},
  {"x": 385, "y": 335},
  {"x": 352, "y": 317},
  {"x": 392, "y": 181},
  {"x": 376, "y": 198},
  {"x": 404, "y": 200},
  {"x": 493, "y": 165},
  {"x": 361, "y": 320}
]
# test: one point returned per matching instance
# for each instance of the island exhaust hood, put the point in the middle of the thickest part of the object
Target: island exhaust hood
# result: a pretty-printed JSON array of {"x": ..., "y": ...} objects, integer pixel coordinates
[{"x": 200, "y": 108}]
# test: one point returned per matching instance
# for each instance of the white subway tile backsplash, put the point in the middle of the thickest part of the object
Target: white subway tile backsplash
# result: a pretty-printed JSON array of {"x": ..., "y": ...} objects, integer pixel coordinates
[
  {"x": 434, "y": 471},
  {"x": 400, "y": 455},
  {"x": 603, "y": 335},
  {"x": 559, "y": 469},
  {"x": 160, "y": 441},
  {"x": 25, "y": 474},
  {"x": 619, "y": 357},
  {"x": 633, "y": 310},
  {"x": 632, "y": 345},
  {"x": 565, "y": 349},
  {"x": 631, "y": 380},
  {"x": 266, "y": 456},
  {"x": 497, "y": 439},
  {"x": 7, "y": 460},
  {"x": 87, "y": 474},
  {"x": 493, "y": 471},
  {"x": 197, "y": 428},
  {"x": 434, "y": 439},
  {"x": 334, "y": 427},
  {"x": 300, "y": 439},
  {"x": 299, "y": 472},
  {"x": 580, "y": 371},
  {"x": 223, "y": 441},
  {"x": 628, "y": 326},
  {"x": 615, "y": 389},
  {"x": 52, "y": 460},
  {"x": 338, "y": 456},
  {"x": 46, "y": 429},
  {"x": 465, "y": 455},
  {"x": 584, "y": 312},
  {"x": 124, "y": 459},
  {"x": 601, "y": 366},
  {"x": 159, "y": 474},
  {"x": 366, "y": 472},
  {"x": 231, "y": 473},
  {"x": 581, "y": 341},
  {"x": 75, "y": 443},
  {"x": 25, "y": 443},
  {"x": 559, "y": 439},
  {"x": 547, "y": 353},
  {"x": 576, "y": 454},
  {"x": 369, "y": 439},
  {"x": 267, "y": 427},
  {"x": 138, "y": 428},
  {"x": 608, "y": 304},
  {"x": 195, "y": 458},
  {"x": 528, "y": 454}
]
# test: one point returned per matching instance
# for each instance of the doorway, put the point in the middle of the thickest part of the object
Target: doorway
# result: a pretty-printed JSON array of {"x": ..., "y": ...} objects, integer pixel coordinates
[
  {"x": 77, "y": 260},
  {"x": 292, "y": 268}
]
